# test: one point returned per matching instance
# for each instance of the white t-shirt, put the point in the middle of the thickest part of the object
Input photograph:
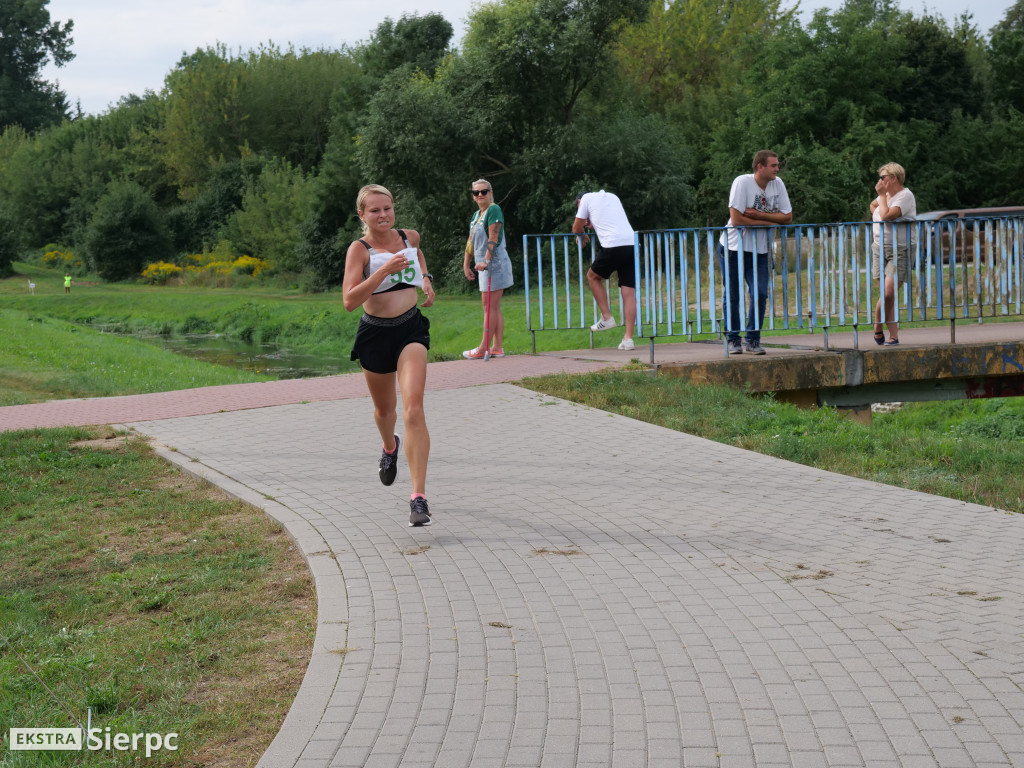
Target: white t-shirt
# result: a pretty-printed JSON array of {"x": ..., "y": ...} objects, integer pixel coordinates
[
  {"x": 904, "y": 200},
  {"x": 607, "y": 217},
  {"x": 746, "y": 193}
]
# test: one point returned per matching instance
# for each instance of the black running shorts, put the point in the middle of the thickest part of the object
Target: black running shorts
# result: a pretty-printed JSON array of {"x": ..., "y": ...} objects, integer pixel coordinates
[
  {"x": 380, "y": 340},
  {"x": 618, "y": 259}
]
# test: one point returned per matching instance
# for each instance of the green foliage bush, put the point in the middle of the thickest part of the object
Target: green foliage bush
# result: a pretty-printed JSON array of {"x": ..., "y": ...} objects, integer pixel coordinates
[
  {"x": 272, "y": 208},
  {"x": 62, "y": 259},
  {"x": 8, "y": 245},
  {"x": 126, "y": 232}
]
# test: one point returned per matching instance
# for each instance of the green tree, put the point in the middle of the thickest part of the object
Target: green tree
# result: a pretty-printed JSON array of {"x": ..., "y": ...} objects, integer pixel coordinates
[
  {"x": 507, "y": 107},
  {"x": 195, "y": 225},
  {"x": 273, "y": 207},
  {"x": 331, "y": 223},
  {"x": 52, "y": 179},
  {"x": 28, "y": 41},
  {"x": 8, "y": 244},
  {"x": 861, "y": 86},
  {"x": 686, "y": 49},
  {"x": 1006, "y": 55},
  {"x": 532, "y": 60},
  {"x": 287, "y": 101},
  {"x": 126, "y": 232},
  {"x": 940, "y": 78},
  {"x": 203, "y": 123},
  {"x": 413, "y": 43}
]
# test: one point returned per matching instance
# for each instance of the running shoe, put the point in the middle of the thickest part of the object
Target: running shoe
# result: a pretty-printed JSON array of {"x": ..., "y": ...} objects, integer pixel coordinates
[
  {"x": 498, "y": 353},
  {"x": 735, "y": 348},
  {"x": 753, "y": 347},
  {"x": 474, "y": 354},
  {"x": 626, "y": 344},
  {"x": 604, "y": 325},
  {"x": 389, "y": 464},
  {"x": 419, "y": 513}
]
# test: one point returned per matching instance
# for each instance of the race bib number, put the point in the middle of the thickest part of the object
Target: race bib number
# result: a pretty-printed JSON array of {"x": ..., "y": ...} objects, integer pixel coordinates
[{"x": 411, "y": 275}]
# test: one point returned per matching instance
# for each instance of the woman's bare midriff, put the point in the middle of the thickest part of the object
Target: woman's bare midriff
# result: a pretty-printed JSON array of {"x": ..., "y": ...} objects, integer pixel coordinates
[{"x": 390, "y": 304}]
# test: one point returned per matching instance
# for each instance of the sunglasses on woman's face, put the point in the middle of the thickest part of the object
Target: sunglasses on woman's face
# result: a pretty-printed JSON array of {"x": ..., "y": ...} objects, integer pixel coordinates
[
  {"x": 882, "y": 178},
  {"x": 480, "y": 192}
]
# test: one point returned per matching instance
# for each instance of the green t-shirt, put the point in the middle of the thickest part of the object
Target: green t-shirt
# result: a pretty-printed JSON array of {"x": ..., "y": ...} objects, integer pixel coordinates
[{"x": 479, "y": 228}]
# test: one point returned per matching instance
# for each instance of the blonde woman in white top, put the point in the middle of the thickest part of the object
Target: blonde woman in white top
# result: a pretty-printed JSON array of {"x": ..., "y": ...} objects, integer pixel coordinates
[{"x": 894, "y": 203}]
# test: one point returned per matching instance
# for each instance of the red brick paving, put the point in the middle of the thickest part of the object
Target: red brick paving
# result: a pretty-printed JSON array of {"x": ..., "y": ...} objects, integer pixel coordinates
[{"x": 237, "y": 397}]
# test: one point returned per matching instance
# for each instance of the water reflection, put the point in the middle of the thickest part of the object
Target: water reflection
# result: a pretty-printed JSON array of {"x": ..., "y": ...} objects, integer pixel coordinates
[{"x": 261, "y": 358}]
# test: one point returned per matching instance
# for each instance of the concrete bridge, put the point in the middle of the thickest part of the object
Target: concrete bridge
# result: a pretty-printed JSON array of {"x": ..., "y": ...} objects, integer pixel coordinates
[{"x": 852, "y": 372}]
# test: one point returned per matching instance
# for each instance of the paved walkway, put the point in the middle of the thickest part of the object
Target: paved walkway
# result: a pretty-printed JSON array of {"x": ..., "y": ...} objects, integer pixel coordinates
[{"x": 597, "y": 591}]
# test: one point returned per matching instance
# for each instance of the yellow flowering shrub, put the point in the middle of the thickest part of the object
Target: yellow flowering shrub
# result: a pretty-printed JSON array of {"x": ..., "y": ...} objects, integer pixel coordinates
[
  {"x": 61, "y": 260},
  {"x": 248, "y": 265},
  {"x": 160, "y": 272},
  {"x": 216, "y": 266}
]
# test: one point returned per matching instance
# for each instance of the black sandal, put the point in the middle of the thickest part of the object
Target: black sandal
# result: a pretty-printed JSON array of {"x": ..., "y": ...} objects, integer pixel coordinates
[{"x": 879, "y": 338}]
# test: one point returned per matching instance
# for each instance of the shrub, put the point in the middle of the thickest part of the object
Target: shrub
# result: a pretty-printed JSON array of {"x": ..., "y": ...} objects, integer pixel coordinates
[
  {"x": 221, "y": 266},
  {"x": 62, "y": 259},
  {"x": 160, "y": 272},
  {"x": 8, "y": 246},
  {"x": 248, "y": 265},
  {"x": 126, "y": 230}
]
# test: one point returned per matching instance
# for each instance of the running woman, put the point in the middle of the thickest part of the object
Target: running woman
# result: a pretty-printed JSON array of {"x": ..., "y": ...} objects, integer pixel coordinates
[{"x": 383, "y": 269}]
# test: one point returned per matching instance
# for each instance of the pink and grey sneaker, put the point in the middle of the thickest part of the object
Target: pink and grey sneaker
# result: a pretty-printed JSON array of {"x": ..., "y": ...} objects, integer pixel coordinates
[{"x": 419, "y": 513}]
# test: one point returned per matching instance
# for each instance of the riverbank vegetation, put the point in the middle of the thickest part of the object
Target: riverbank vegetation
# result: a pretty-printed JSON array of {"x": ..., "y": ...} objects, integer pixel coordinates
[
  {"x": 101, "y": 338},
  {"x": 251, "y": 160}
]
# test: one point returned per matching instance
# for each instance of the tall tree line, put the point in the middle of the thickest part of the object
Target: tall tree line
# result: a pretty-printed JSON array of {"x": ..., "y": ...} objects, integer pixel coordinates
[{"x": 664, "y": 102}]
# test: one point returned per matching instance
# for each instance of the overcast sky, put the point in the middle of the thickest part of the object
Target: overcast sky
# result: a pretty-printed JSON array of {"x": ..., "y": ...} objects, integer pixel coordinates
[{"x": 128, "y": 46}]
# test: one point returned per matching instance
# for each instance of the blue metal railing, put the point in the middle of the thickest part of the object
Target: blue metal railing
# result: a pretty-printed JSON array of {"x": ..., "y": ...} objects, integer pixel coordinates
[{"x": 819, "y": 278}]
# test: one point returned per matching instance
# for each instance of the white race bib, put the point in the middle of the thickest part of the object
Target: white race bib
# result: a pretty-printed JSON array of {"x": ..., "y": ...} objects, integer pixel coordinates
[{"x": 411, "y": 275}]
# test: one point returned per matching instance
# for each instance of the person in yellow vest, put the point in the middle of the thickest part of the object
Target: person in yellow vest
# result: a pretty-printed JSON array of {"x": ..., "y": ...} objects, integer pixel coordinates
[{"x": 67, "y": 283}]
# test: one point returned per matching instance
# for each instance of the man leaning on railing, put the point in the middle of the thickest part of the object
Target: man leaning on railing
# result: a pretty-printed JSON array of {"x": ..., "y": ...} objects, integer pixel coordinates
[{"x": 760, "y": 200}]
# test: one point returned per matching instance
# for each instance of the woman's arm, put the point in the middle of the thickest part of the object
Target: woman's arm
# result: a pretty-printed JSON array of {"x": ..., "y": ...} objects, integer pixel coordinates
[
  {"x": 354, "y": 289},
  {"x": 891, "y": 212},
  {"x": 493, "y": 238},
  {"x": 428, "y": 282},
  {"x": 886, "y": 212}
]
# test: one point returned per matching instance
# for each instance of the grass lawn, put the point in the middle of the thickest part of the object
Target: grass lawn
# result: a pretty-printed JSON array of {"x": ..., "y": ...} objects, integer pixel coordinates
[{"x": 132, "y": 589}]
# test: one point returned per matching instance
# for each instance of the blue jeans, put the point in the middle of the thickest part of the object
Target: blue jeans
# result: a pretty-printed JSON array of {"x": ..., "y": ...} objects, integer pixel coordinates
[{"x": 731, "y": 294}]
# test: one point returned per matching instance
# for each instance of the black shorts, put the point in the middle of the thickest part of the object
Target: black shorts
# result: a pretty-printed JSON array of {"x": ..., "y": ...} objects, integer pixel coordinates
[
  {"x": 618, "y": 259},
  {"x": 380, "y": 340}
]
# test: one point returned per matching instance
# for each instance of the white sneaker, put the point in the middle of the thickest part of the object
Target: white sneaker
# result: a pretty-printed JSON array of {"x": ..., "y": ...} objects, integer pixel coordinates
[
  {"x": 603, "y": 325},
  {"x": 626, "y": 344}
]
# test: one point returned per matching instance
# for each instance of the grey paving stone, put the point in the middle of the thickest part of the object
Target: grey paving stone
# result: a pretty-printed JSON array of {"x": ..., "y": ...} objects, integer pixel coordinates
[{"x": 661, "y": 631}]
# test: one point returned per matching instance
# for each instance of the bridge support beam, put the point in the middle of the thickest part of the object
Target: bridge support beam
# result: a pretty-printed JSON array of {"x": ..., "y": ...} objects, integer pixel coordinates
[{"x": 853, "y": 380}]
